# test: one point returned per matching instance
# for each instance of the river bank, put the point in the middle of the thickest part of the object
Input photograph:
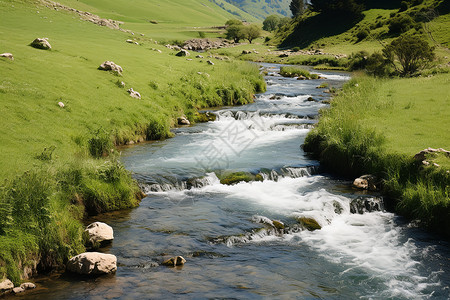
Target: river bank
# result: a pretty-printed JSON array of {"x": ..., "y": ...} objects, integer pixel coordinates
[{"x": 376, "y": 126}]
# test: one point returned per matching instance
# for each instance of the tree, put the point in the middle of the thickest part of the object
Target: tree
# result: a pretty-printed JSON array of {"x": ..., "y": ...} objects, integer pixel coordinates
[
  {"x": 343, "y": 7},
  {"x": 236, "y": 33},
  {"x": 271, "y": 23},
  {"x": 233, "y": 22},
  {"x": 252, "y": 32},
  {"x": 412, "y": 52},
  {"x": 297, "y": 7},
  {"x": 284, "y": 21}
]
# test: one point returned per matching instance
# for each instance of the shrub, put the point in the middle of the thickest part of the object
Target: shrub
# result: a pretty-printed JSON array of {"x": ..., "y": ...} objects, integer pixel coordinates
[
  {"x": 400, "y": 24},
  {"x": 291, "y": 71},
  {"x": 376, "y": 65},
  {"x": 358, "y": 61},
  {"x": 412, "y": 52},
  {"x": 362, "y": 34}
]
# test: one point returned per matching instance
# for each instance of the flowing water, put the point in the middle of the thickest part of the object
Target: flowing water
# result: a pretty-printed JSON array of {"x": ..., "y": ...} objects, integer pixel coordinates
[{"x": 231, "y": 235}]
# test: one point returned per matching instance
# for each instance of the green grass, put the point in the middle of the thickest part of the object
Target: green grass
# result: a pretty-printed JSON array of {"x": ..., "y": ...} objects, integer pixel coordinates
[
  {"x": 376, "y": 126},
  {"x": 57, "y": 163}
]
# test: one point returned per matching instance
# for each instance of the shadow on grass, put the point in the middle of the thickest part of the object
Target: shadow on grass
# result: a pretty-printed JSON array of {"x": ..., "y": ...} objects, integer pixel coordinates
[{"x": 317, "y": 27}]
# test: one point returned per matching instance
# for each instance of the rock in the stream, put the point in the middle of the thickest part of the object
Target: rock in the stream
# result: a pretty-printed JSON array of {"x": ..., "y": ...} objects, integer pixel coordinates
[
  {"x": 6, "y": 286},
  {"x": 362, "y": 205},
  {"x": 92, "y": 263},
  {"x": 309, "y": 223},
  {"x": 7, "y": 55},
  {"x": 174, "y": 261},
  {"x": 366, "y": 182},
  {"x": 183, "y": 121},
  {"x": 99, "y": 232},
  {"x": 41, "y": 44},
  {"x": 18, "y": 290},
  {"x": 28, "y": 286}
]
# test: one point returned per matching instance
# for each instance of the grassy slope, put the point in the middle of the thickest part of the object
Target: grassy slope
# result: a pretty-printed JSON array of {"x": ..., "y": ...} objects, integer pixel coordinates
[
  {"x": 33, "y": 84},
  {"x": 177, "y": 19},
  {"x": 262, "y": 8}
]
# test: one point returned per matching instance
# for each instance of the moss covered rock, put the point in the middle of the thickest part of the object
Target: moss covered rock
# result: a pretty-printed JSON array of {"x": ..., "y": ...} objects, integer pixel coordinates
[{"x": 309, "y": 223}]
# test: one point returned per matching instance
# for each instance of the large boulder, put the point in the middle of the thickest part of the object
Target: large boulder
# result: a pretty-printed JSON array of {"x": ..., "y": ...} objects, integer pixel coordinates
[
  {"x": 41, "y": 44},
  {"x": 92, "y": 263},
  {"x": 6, "y": 286},
  {"x": 7, "y": 55},
  {"x": 99, "y": 233},
  {"x": 111, "y": 66}
]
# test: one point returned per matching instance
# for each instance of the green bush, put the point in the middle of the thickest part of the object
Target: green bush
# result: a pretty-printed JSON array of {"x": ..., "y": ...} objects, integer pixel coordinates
[
  {"x": 293, "y": 71},
  {"x": 362, "y": 34}
]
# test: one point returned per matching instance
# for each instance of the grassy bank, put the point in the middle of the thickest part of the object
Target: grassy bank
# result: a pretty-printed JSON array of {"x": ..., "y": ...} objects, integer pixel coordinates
[
  {"x": 59, "y": 163},
  {"x": 377, "y": 126}
]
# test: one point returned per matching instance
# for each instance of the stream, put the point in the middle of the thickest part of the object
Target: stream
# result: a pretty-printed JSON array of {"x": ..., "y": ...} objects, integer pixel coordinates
[{"x": 227, "y": 233}]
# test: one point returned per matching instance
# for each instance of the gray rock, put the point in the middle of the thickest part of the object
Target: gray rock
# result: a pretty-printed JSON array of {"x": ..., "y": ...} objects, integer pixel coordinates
[
  {"x": 7, "y": 55},
  {"x": 362, "y": 205},
  {"x": 92, "y": 263},
  {"x": 41, "y": 44},
  {"x": 111, "y": 66},
  {"x": 366, "y": 182},
  {"x": 134, "y": 94},
  {"x": 183, "y": 53},
  {"x": 6, "y": 286},
  {"x": 210, "y": 63},
  {"x": 199, "y": 56},
  {"x": 18, "y": 290},
  {"x": 99, "y": 232},
  {"x": 28, "y": 286},
  {"x": 183, "y": 121}
]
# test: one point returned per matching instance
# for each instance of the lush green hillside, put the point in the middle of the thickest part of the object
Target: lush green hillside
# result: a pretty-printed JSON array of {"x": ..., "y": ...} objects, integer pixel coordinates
[
  {"x": 262, "y": 8},
  {"x": 176, "y": 19},
  {"x": 50, "y": 172},
  {"x": 341, "y": 34}
]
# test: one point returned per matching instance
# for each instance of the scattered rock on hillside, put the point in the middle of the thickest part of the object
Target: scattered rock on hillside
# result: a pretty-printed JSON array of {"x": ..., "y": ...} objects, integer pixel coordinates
[
  {"x": 99, "y": 232},
  {"x": 210, "y": 63},
  {"x": 183, "y": 53},
  {"x": 283, "y": 55},
  {"x": 183, "y": 121},
  {"x": 246, "y": 52},
  {"x": 129, "y": 41},
  {"x": 7, "y": 55},
  {"x": 366, "y": 182},
  {"x": 422, "y": 154},
  {"x": 41, "y": 44},
  {"x": 134, "y": 94},
  {"x": 60, "y": 104},
  {"x": 6, "y": 286},
  {"x": 204, "y": 44},
  {"x": 92, "y": 263},
  {"x": 174, "y": 261},
  {"x": 111, "y": 66},
  {"x": 199, "y": 56}
]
